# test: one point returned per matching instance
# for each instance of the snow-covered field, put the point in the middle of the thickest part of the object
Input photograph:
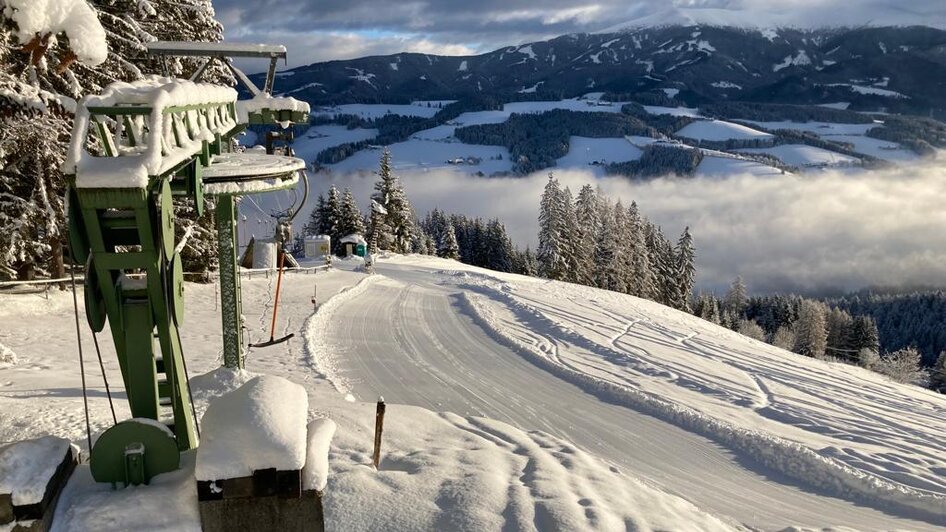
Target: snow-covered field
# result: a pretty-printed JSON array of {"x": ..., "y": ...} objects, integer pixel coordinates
[
  {"x": 719, "y": 130},
  {"x": 723, "y": 166},
  {"x": 571, "y": 408},
  {"x": 431, "y": 154},
  {"x": 369, "y": 110},
  {"x": 802, "y": 155},
  {"x": 583, "y": 151},
  {"x": 318, "y": 138}
]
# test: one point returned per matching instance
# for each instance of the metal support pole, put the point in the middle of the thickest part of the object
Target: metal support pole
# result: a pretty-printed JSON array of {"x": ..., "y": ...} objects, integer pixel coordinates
[{"x": 230, "y": 305}]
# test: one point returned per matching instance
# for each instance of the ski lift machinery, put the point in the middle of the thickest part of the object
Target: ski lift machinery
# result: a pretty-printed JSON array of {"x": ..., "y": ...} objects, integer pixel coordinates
[{"x": 162, "y": 138}]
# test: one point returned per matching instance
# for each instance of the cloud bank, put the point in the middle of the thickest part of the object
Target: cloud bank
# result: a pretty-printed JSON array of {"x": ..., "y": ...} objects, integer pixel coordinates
[{"x": 813, "y": 233}]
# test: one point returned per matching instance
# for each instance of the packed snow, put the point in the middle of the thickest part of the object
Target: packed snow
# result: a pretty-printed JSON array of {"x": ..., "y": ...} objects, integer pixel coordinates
[
  {"x": 719, "y": 130},
  {"x": 260, "y": 425},
  {"x": 7, "y": 357},
  {"x": 315, "y": 473},
  {"x": 616, "y": 400},
  {"x": 27, "y": 466}
]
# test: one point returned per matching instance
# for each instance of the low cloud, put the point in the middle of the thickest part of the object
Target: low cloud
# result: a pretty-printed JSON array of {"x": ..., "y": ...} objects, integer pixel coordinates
[{"x": 812, "y": 233}]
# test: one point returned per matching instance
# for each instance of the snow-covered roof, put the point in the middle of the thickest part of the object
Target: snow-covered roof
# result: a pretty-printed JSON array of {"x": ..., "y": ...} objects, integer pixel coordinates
[
  {"x": 225, "y": 49},
  {"x": 353, "y": 239},
  {"x": 272, "y": 103}
]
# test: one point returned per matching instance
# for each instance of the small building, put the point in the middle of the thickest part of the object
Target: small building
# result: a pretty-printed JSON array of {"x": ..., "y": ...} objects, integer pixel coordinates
[
  {"x": 354, "y": 244},
  {"x": 317, "y": 246}
]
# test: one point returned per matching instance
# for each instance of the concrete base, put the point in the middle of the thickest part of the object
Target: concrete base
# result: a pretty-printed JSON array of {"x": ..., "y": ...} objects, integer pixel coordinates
[
  {"x": 39, "y": 517},
  {"x": 271, "y": 513}
]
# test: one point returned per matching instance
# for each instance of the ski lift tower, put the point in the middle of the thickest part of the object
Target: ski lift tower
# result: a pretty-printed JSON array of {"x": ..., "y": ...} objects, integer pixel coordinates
[{"x": 157, "y": 139}]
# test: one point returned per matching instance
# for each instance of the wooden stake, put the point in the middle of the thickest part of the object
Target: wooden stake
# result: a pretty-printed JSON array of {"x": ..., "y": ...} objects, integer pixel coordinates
[{"x": 378, "y": 427}]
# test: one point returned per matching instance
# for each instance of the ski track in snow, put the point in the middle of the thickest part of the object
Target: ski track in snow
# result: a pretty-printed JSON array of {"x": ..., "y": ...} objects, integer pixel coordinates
[{"x": 651, "y": 359}]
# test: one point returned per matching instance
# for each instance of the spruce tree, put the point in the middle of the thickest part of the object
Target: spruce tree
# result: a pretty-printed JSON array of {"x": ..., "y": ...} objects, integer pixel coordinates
[
  {"x": 938, "y": 374},
  {"x": 316, "y": 218},
  {"x": 349, "y": 217},
  {"x": 811, "y": 332},
  {"x": 641, "y": 281},
  {"x": 551, "y": 253},
  {"x": 685, "y": 270},
  {"x": 587, "y": 213},
  {"x": 736, "y": 298},
  {"x": 448, "y": 247},
  {"x": 864, "y": 334},
  {"x": 396, "y": 233}
]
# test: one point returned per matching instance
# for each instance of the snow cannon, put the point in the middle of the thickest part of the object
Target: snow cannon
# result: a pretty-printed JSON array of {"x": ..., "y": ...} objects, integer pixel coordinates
[{"x": 134, "y": 148}]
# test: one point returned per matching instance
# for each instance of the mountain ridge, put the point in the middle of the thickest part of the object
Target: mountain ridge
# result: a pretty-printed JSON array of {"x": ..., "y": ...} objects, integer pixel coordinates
[{"x": 897, "y": 69}]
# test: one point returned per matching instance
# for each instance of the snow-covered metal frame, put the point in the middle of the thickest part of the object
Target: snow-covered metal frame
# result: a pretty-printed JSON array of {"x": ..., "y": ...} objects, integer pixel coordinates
[
  {"x": 156, "y": 138},
  {"x": 223, "y": 52}
]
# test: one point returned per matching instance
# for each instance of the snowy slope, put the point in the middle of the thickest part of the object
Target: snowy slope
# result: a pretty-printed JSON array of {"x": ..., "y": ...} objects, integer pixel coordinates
[
  {"x": 720, "y": 130},
  {"x": 572, "y": 375},
  {"x": 439, "y": 471}
]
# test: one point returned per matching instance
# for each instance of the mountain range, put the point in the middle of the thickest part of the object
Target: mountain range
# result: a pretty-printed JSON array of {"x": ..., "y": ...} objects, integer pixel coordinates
[{"x": 895, "y": 69}]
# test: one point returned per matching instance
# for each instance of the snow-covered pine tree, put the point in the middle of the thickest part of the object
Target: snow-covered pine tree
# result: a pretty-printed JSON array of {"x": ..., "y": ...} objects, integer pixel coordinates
[
  {"x": 707, "y": 307},
  {"x": 332, "y": 215},
  {"x": 499, "y": 247},
  {"x": 587, "y": 212},
  {"x": 614, "y": 271},
  {"x": 864, "y": 335},
  {"x": 840, "y": 324},
  {"x": 41, "y": 76},
  {"x": 448, "y": 247},
  {"x": 685, "y": 270},
  {"x": 551, "y": 253},
  {"x": 737, "y": 298},
  {"x": 641, "y": 281},
  {"x": 666, "y": 261},
  {"x": 316, "y": 217},
  {"x": 399, "y": 220},
  {"x": 811, "y": 332},
  {"x": 574, "y": 272},
  {"x": 350, "y": 220}
]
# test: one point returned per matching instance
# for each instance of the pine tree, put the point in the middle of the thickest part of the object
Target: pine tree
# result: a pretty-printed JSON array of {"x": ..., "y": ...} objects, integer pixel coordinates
[
  {"x": 316, "y": 218},
  {"x": 448, "y": 247},
  {"x": 840, "y": 325},
  {"x": 938, "y": 374},
  {"x": 349, "y": 217},
  {"x": 707, "y": 307},
  {"x": 864, "y": 335},
  {"x": 642, "y": 282},
  {"x": 551, "y": 253},
  {"x": 811, "y": 333},
  {"x": 396, "y": 232},
  {"x": 611, "y": 257},
  {"x": 736, "y": 298},
  {"x": 686, "y": 270},
  {"x": 499, "y": 247},
  {"x": 587, "y": 213}
]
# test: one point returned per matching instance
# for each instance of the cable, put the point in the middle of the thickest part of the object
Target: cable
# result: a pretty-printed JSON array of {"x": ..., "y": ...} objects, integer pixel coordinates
[
  {"x": 85, "y": 395},
  {"x": 108, "y": 392}
]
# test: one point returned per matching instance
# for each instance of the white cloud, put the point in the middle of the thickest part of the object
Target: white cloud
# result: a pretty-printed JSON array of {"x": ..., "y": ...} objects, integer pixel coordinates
[{"x": 808, "y": 233}]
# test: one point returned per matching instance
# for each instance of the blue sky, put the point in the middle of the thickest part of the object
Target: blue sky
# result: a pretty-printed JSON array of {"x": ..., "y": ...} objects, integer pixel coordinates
[{"x": 321, "y": 30}]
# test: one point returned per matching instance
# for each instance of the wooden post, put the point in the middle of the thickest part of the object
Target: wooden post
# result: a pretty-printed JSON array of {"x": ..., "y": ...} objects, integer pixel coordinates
[{"x": 378, "y": 427}]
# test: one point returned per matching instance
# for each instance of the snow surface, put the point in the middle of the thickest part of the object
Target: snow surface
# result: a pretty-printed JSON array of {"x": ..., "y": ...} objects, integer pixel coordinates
[
  {"x": 7, "y": 357},
  {"x": 27, "y": 466},
  {"x": 719, "y": 130},
  {"x": 318, "y": 138},
  {"x": 882, "y": 149},
  {"x": 718, "y": 166},
  {"x": 430, "y": 154},
  {"x": 439, "y": 335},
  {"x": 803, "y": 155},
  {"x": 675, "y": 111},
  {"x": 316, "y": 470},
  {"x": 819, "y": 128},
  {"x": 75, "y": 18},
  {"x": 583, "y": 151},
  {"x": 370, "y": 111},
  {"x": 260, "y": 425}
]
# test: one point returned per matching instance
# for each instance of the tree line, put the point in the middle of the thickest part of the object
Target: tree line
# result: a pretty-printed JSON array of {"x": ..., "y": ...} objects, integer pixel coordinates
[
  {"x": 595, "y": 241},
  {"x": 839, "y": 330}
]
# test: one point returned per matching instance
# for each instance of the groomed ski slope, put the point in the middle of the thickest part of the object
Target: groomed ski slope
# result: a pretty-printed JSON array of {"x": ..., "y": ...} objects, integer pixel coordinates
[{"x": 736, "y": 426}]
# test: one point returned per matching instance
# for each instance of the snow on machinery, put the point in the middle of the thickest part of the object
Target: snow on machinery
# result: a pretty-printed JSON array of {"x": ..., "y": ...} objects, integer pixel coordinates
[{"x": 160, "y": 138}]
